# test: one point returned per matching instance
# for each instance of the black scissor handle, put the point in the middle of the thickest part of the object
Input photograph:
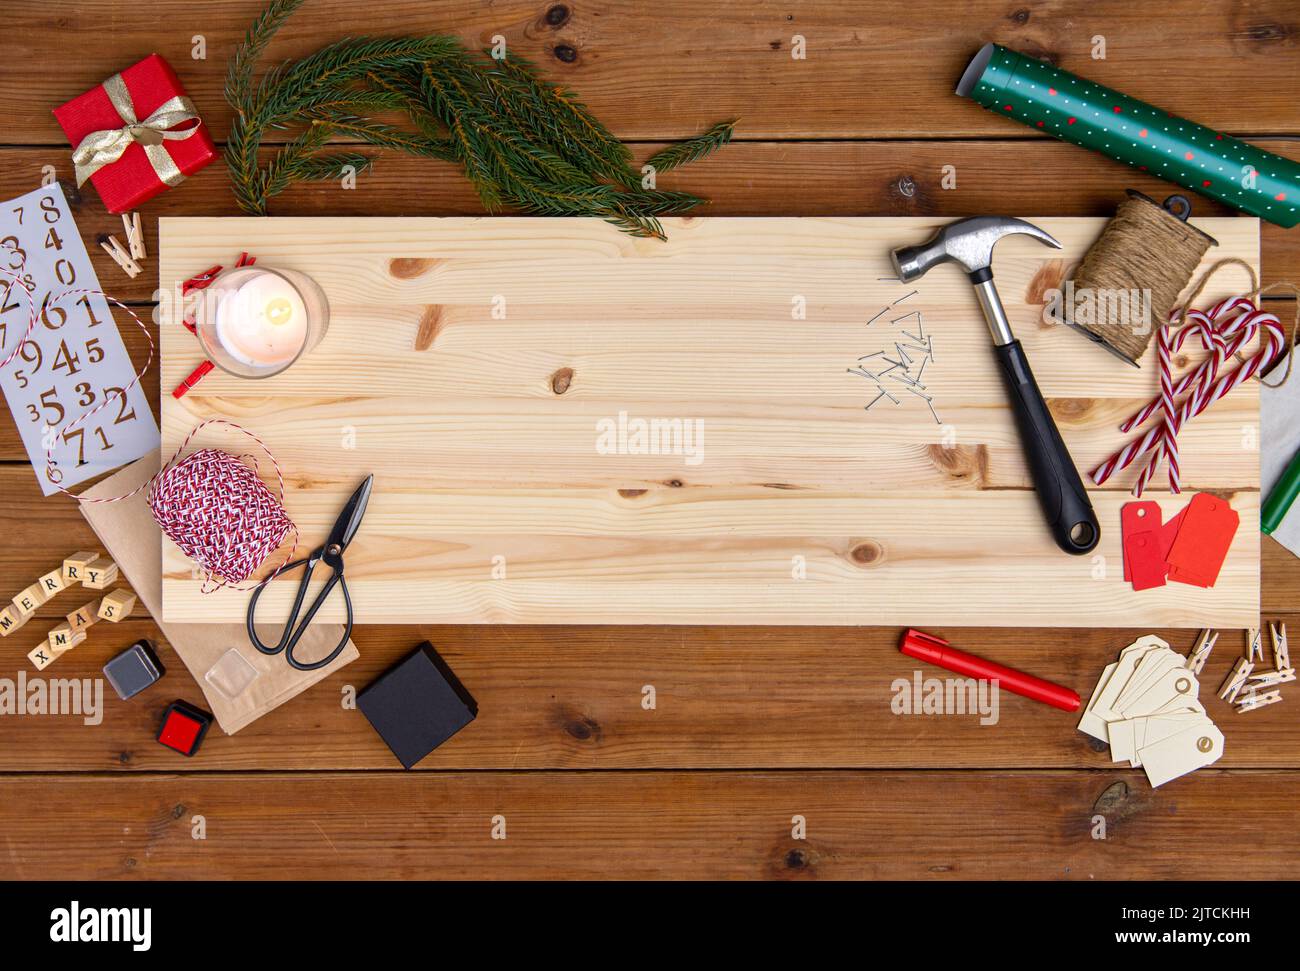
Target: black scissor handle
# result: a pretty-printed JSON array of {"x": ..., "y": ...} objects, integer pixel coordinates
[{"x": 292, "y": 634}]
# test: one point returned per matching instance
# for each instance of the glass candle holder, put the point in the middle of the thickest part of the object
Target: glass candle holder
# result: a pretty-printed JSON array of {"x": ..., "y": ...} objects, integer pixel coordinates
[{"x": 255, "y": 321}]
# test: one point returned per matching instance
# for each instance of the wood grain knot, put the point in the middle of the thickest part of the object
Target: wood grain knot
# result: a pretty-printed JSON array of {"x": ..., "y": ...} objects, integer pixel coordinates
[
  {"x": 561, "y": 380},
  {"x": 674, "y": 483},
  {"x": 961, "y": 462},
  {"x": 1051, "y": 276},
  {"x": 1020, "y": 16},
  {"x": 427, "y": 332},
  {"x": 798, "y": 860},
  {"x": 566, "y": 53},
  {"x": 794, "y": 862},
  {"x": 557, "y": 15},
  {"x": 408, "y": 268},
  {"x": 178, "y": 811},
  {"x": 577, "y": 724},
  {"x": 1114, "y": 800},
  {"x": 867, "y": 553},
  {"x": 905, "y": 186},
  {"x": 1070, "y": 411},
  {"x": 72, "y": 192},
  {"x": 1265, "y": 34},
  {"x": 632, "y": 493}
]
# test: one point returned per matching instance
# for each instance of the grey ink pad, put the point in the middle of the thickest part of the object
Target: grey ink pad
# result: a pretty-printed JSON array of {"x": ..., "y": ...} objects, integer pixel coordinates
[{"x": 134, "y": 669}]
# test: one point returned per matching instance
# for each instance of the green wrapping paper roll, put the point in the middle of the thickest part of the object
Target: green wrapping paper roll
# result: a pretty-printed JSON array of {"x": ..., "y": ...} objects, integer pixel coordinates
[{"x": 1088, "y": 114}]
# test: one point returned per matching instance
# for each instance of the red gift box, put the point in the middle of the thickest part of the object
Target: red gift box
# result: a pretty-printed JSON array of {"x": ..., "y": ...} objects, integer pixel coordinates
[{"x": 136, "y": 133}]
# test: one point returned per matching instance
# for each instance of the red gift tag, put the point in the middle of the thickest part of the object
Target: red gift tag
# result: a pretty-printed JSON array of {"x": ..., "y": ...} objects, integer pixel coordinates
[
  {"x": 1145, "y": 564},
  {"x": 1168, "y": 533},
  {"x": 1197, "y": 555},
  {"x": 1136, "y": 517}
]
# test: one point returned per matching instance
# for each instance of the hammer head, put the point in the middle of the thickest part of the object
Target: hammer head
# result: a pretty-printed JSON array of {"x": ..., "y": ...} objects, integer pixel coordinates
[{"x": 966, "y": 242}]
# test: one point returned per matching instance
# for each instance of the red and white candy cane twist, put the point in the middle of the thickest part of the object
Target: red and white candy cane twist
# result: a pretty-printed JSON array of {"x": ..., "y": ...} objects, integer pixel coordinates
[
  {"x": 1197, "y": 321},
  {"x": 1216, "y": 342},
  {"x": 1224, "y": 331}
]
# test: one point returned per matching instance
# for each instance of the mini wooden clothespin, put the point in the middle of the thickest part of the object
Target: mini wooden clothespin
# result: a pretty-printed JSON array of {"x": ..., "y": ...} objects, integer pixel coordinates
[
  {"x": 1201, "y": 650},
  {"x": 1271, "y": 679},
  {"x": 121, "y": 257},
  {"x": 1254, "y": 700},
  {"x": 1281, "y": 655},
  {"x": 1236, "y": 679},
  {"x": 1254, "y": 644},
  {"x": 134, "y": 234}
]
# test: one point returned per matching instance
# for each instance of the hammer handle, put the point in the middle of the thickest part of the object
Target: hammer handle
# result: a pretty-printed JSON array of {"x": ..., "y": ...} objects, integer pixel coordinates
[{"x": 1065, "y": 503}]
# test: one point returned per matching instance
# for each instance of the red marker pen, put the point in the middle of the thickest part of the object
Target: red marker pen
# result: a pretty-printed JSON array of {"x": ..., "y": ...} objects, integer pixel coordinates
[{"x": 927, "y": 647}]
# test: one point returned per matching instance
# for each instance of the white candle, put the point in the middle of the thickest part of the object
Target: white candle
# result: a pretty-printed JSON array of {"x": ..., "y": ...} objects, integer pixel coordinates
[{"x": 262, "y": 322}]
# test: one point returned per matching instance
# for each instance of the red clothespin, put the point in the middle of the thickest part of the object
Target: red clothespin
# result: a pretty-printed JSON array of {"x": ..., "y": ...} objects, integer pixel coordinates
[{"x": 202, "y": 282}]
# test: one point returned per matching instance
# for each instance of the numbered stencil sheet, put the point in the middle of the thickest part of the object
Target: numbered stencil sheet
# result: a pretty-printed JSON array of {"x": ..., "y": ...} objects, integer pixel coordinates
[{"x": 74, "y": 359}]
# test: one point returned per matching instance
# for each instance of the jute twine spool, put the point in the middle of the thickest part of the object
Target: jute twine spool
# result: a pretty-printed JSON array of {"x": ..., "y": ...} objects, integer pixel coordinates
[{"x": 1145, "y": 249}]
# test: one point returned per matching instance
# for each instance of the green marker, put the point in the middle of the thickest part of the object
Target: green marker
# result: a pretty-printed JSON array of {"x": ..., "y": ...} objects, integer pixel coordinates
[{"x": 1280, "y": 498}]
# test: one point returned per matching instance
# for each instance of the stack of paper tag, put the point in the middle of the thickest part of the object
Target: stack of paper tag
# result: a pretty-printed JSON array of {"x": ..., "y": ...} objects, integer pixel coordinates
[
  {"x": 1189, "y": 548},
  {"x": 1145, "y": 707}
]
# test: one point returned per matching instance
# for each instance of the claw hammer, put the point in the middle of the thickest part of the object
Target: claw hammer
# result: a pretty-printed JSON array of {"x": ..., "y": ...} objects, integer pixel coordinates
[{"x": 969, "y": 243}]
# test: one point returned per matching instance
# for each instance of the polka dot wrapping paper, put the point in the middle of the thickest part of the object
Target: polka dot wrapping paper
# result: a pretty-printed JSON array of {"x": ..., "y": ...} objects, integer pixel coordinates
[{"x": 1150, "y": 139}]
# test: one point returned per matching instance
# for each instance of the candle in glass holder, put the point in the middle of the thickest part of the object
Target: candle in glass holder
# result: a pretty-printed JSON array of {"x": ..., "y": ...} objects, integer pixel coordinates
[
  {"x": 255, "y": 321},
  {"x": 262, "y": 322}
]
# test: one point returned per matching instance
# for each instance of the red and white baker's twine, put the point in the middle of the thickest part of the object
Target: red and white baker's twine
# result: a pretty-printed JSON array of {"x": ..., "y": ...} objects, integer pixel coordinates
[
  {"x": 220, "y": 513},
  {"x": 1228, "y": 327},
  {"x": 211, "y": 504}
]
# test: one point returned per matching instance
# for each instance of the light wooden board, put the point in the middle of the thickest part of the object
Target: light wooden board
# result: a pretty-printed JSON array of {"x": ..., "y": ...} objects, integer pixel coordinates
[{"x": 482, "y": 427}]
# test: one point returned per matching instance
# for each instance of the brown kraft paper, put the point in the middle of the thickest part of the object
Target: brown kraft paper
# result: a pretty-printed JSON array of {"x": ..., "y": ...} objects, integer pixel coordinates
[{"x": 134, "y": 541}]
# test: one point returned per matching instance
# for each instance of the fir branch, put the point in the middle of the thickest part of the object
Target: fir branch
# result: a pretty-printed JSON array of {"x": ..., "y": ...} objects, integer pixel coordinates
[
  {"x": 281, "y": 171},
  {"x": 693, "y": 149},
  {"x": 385, "y": 136},
  {"x": 522, "y": 141},
  {"x": 245, "y": 138},
  {"x": 327, "y": 168},
  {"x": 239, "y": 79}
]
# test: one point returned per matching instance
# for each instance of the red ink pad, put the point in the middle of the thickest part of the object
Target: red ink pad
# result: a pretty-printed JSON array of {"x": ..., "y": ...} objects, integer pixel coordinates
[{"x": 183, "y": 727}]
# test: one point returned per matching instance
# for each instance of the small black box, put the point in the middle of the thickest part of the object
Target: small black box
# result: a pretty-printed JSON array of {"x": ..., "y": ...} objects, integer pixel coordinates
[{"x": 417, "y": 705}]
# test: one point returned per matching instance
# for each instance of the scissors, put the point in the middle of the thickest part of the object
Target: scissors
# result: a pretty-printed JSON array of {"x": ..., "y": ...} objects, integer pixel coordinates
[{"x": 345, "y": 527}]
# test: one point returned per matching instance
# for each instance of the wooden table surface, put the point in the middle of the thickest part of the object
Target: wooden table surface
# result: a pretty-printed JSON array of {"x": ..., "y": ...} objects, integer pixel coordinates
[{"x": 752, "y": 725}]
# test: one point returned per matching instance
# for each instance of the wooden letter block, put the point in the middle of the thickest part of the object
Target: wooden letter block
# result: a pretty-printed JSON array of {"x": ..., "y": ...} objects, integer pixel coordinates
[
  {"x": 30, "y": 599},
  {"x": 67, "y": 641},
  {"x": 11, "y": 618},
  {"x": 100, "y": 574},
  {"x": 61, "y": 638},
  {"x": 116, "y": 605},
  {"x": 42, "y": 656},
  {"x": 83, "y": 617},
  {"x": 74, "y": 566},
  {"x": 53, "y": 583}
]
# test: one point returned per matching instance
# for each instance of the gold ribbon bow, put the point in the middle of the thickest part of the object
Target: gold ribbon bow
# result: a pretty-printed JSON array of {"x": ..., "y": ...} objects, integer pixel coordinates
[{"x": 105, "y": 147}]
